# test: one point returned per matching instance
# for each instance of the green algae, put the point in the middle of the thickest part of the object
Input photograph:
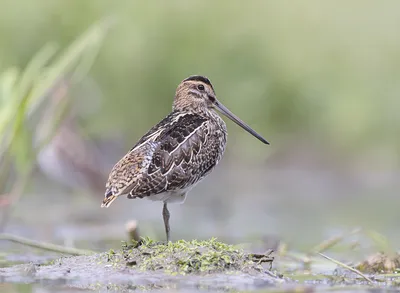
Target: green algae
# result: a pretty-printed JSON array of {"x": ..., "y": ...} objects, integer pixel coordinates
[{"x": 187, "y": 257}]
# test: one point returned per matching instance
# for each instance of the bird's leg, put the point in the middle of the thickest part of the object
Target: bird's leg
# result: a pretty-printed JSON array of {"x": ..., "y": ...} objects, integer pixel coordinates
[{"x": 165, "y": 213}]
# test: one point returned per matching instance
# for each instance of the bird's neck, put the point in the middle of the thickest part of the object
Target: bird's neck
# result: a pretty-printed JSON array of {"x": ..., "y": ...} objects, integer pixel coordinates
[{"x": 206, "y": 113}]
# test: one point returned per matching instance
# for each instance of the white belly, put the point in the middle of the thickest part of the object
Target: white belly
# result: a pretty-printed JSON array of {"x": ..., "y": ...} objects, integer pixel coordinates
[{"x": 177, "y": 197}]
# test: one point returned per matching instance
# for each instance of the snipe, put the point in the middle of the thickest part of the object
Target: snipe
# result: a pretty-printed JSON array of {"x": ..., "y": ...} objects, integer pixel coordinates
[
  {"x": 178, "y": 152},
  {"x": 68, "y": 157}
]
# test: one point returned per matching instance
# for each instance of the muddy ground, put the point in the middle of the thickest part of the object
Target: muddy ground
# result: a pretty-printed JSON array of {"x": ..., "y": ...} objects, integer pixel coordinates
[
  {"x": 185, "y": 267},
  {"x": 283, "y": 209},
  {"x": 99, "y": 272}
]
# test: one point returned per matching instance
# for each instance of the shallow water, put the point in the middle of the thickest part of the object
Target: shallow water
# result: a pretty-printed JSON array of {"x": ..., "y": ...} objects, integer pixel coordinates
[{"x": 299, "y": 208}]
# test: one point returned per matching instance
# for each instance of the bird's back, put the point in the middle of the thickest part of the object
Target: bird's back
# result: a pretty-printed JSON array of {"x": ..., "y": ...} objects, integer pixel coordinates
[{"x": 172, "y": 157}]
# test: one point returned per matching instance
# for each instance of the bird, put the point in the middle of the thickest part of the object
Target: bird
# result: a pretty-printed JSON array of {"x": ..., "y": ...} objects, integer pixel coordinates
[
  {"x": 68, "y": 156},
  {"x": 65, "y": 154},
  {"x": 178, "y": 152}
]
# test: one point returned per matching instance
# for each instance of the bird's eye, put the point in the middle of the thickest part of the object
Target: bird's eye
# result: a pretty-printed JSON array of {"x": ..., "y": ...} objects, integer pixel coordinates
[{"x": 200, "y": 87}]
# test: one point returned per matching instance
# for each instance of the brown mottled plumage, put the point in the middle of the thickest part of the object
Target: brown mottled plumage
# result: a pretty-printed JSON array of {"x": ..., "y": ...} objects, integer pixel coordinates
[{"x": 176, "y": 153}]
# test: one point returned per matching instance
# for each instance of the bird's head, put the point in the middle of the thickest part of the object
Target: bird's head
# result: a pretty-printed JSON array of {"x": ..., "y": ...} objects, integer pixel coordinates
[{"x": 196, "y": 94}]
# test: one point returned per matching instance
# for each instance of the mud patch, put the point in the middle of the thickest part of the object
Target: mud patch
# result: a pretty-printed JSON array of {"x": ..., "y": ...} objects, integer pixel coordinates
[
  {"x": 189, "y": 257},
  {"x": 206, "y": 264}
]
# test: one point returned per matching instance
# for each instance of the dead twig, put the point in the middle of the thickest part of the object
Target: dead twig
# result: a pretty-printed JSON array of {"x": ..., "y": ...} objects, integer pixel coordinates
[
  {"x": 44, "y": 245},
  {"x": 346, "y": 267},
  {"x": 133, "y": 230}
]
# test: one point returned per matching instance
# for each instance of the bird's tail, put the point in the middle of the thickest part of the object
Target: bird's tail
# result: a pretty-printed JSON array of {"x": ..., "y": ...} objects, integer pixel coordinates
[{"x": 108, "y": 200}]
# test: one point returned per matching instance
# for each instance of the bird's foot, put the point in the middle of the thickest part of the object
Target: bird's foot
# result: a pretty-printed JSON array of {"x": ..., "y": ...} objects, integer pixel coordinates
[{"x": 163, "y": 242}]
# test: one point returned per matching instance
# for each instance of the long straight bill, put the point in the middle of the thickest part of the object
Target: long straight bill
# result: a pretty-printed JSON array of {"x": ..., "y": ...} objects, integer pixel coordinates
[{"x": 224, "y": 110}]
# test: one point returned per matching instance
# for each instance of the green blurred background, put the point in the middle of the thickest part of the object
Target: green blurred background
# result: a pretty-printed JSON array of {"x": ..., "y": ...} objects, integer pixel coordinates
[
  {"x": 317, "y": 79},
  {"x": 323, "y": 72}
]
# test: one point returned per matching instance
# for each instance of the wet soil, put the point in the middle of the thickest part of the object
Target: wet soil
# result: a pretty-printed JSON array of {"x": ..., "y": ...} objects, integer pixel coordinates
[{"x": 97, "y": 272}]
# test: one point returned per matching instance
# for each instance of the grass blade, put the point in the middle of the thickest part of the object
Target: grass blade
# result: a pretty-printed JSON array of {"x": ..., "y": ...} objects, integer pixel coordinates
[{"x": 347, "y": 267}]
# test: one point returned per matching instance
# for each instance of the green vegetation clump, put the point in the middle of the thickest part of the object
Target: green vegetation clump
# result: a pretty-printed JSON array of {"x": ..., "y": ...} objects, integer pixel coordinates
[{"x": 186, "y": 257}]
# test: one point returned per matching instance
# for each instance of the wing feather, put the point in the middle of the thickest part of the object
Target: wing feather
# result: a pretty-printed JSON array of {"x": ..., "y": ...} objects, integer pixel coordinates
[
  {"x": 174, "y": 154},
  {"x": 171, "y": 159}
]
